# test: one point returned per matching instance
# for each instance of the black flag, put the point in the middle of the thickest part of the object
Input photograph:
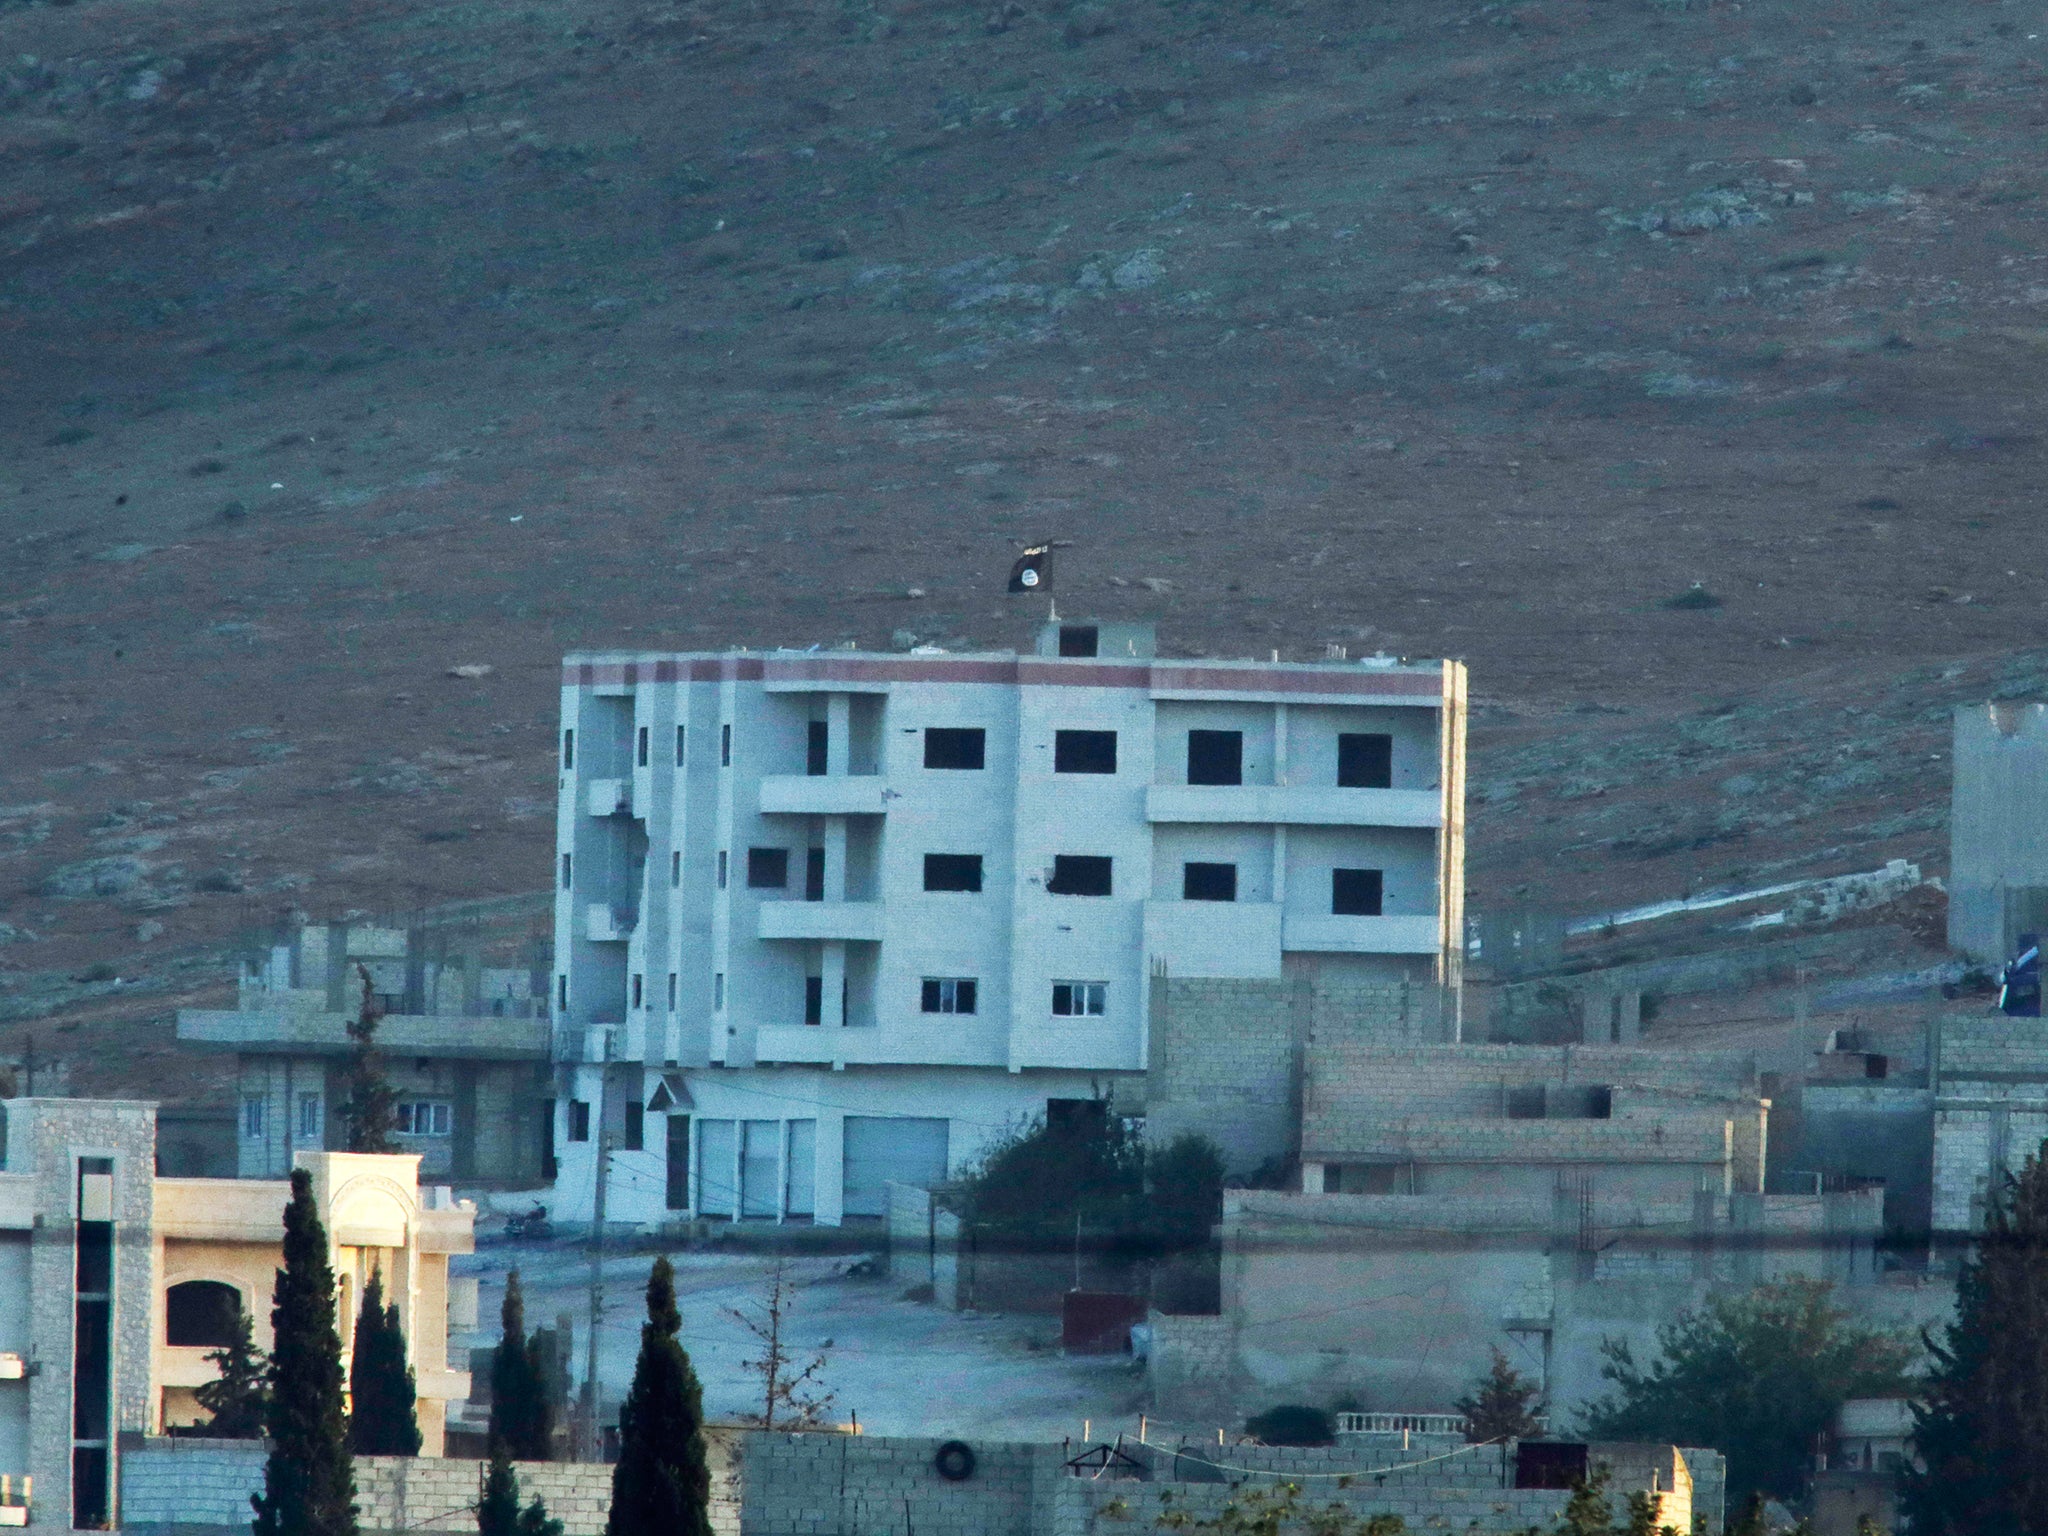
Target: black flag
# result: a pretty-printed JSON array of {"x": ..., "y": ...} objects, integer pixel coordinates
[{"x": 1033, "y": 570}]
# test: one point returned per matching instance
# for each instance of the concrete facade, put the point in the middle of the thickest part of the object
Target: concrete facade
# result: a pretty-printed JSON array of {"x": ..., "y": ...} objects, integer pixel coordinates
[
  {"x": 465, "y": 1046},
  {"x": 825, "y": 921},
  {"x": 1998, "y": 838},
  {"x": 97, "y": 1256}
]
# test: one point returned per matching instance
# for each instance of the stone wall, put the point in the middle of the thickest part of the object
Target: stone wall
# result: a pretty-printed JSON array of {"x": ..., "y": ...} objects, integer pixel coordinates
[{"x": 194, "y": 1487}]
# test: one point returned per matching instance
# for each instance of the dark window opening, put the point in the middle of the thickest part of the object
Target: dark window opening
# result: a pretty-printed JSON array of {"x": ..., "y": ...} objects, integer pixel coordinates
[
  {"x": 1599, "y": 1103},
  {"x": 679, "y": 746},
  {"x": 201, "y": 1314},
  {"x": 949, "y": 994},
  {"x": 1876, "y": 1066},
  {"x": 767, "y": 868},
  {"x": 1068, "y": 1117},
  {"x": 678, "y": 1162},
  {"x": 568, "y": 865},
  {"x": 954, "y": 747},
  {"x": 548, "y": 1167},
  {"x": 814, "y": 999},
  {"x": 1365, "y": 761},
  {"x": 1084, "y": 752},
  {"x": 1530, "y": 1102},
  {"x": 579, "y": 1120},
  {"x": 1208, "y": 882},
  {"x": 1080, "y": 640},
  {"x": 1080, "y": 874},
  {"x": 1549, "y": 1464},
  {"x": 635, "y": 1133},
  {"x": 814, "y": 874},
  {"x": 640, "y": 749},
  {"x": 1215, "y": 757},
  {"x": 639, "y": 989},
  {"x": 725, "y": 746},
  {"x": 89, "y": 1503},
  {"x": 818, "y": 748},
  {"x": 952, "y": 872},
  {"x": 568, "y": 749},
  {"x": 1355, "y": 892}
]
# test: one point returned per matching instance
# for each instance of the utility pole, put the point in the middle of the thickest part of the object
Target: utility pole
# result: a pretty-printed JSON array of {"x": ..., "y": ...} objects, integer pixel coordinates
[{"x": 588, "y": 1434}]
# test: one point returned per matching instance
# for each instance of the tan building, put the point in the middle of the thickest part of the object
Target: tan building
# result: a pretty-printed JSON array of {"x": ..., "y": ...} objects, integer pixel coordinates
[{"x": 115, "y": 1284}]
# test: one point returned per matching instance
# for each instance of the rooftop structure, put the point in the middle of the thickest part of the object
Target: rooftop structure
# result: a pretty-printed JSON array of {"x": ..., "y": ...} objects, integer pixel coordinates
[
  {"x": 839, "y": 918},
  {"x": 464, "y": 1036}
]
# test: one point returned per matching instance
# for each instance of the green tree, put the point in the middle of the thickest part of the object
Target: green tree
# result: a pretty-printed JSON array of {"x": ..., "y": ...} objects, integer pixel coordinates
[
  {"x": 522, "y": 1410},
  {"x": 309, "y": 1484},
  {"x": 1757, "y": 1376},
  {"x": 370, "y": 1107},
  {"x": 1184, "y": 1193},
  {"x": 497, "y": 1508},
  {"x": 238, "y": 1397},
  {"x": 1039, "y": 1188},
  {"x": 383, "y": 1395},
  {"x": 1981, "y": 1420},
  {"x": 1266, "y": 1511},
  {"x": 661, "y": 1485},
  {"x": 1502, "y": 1405}
]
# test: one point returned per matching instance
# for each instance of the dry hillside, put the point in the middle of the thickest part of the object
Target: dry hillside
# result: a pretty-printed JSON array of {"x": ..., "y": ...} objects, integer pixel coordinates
[{"x": 345, "y": 344}]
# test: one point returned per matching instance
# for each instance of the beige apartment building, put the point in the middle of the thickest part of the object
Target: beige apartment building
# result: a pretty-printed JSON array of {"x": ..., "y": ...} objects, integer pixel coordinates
[{"x": 115, "y": 1284}]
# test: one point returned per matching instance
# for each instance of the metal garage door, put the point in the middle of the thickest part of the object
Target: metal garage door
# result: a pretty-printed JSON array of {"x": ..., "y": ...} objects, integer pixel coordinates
[
  {"x": 881, "y": 1150},
  {"x": 716, "y": 1151},
  {"x": 760, "y": 1166}
]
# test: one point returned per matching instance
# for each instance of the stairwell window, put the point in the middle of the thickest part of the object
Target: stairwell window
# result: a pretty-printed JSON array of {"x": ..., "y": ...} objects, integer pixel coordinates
[
  {"x": 679, "y": 746},
  {"x": 675, "y": 870},
  {"x": 674, "y": 981},
  {"x": 949, "y": 994},
  {"x": 568, "y": 869},
  {"x": 725, "y": 745},
  {"x": 718, "y": 991},
  {"x": 1080, "y": 999},
  {"x": 721, "y": 869},
  {"x": 640, "y": 749},
  {"x": 579, "y": 1120},
  {"x": 639, "y": 989},
  {"x": 568, "y": 750}
]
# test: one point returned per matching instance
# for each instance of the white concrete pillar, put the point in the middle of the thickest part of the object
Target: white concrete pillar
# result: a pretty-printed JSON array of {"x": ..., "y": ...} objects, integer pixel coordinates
[
  {"x": 839, "y": 725},
  {"x": 832, "y": 1012}
]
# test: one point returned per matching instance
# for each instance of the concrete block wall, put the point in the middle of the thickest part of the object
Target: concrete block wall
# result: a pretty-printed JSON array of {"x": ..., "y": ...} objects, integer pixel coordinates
[
  {"x": 818, "y": 1485},
  {"x": 1992, "y": 1047},
  {"x": 1117, "y": 1509},
  {"x": 1978, "y": 1140},
  {"x": 1691, "y": 1139},
  {"x": 1226, "y": 1055},
  {"x": 1190, "y": 1372},
  {"x": 194, "y": 1487}
]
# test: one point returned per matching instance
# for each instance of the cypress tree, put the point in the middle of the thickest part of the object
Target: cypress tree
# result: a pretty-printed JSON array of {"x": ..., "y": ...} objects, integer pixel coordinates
[
  {"x": 522, "y": 1414},
  {"x": 661, "y": 1485},
  {"x": 383, "y": 1394},
  {"x": 309, "y": 1486},
  {"x": 1982, "y": 1418},
  {"x": 497, "y": 1508},
  {"x": 370, "y": 1108},
  {"x": 237, "y": 1398}
]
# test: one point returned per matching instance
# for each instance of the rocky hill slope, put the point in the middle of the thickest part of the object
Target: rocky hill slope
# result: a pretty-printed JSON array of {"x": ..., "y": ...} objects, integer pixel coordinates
[{"x": 350, "y": 349}]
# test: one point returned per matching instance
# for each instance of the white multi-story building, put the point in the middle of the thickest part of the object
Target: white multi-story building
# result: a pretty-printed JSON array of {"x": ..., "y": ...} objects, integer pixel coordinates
[{"x": 829, "y": 919}]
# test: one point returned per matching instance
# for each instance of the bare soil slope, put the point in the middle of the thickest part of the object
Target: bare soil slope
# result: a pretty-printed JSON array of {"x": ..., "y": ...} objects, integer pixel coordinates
[{"x": 345, "y": 344}]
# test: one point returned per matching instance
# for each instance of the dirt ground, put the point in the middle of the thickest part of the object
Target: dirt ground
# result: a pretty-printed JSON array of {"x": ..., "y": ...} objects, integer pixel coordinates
[{"x": 1670, "y": 362}]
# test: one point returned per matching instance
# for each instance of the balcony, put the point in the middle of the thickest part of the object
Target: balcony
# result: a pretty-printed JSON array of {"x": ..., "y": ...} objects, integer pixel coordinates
[
  {"x": 609, "y": 797},
  {"x": 604, "y": 923},
  {"x": 1294, "y": 805},
  {"x": 958, "y": 1042},
  {"x": 1325, "y": 934},
  {"x": 857, "y": 921},
  {"x": 798, "y": 794},
  {"x": 1214, "y": 938}
]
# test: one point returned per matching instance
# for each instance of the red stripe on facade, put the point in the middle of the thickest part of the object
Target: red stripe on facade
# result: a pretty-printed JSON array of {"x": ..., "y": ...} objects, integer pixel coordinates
[{"x": 1025, "y": 671}]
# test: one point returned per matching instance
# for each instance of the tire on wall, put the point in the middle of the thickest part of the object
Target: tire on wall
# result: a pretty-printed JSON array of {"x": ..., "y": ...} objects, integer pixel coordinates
[{"x": 954, "y": 1461}]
